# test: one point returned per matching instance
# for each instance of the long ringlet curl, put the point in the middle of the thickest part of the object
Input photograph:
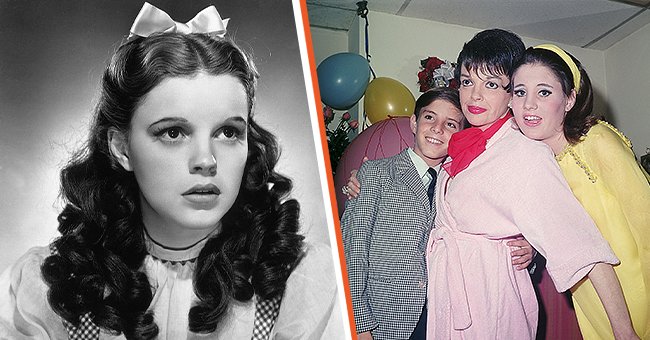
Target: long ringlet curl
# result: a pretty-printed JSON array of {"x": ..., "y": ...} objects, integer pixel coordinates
[
  {"x": 258, "y": 246},
  {"x": 96, "y": 263},
  {"x": 580, "y": 118}
]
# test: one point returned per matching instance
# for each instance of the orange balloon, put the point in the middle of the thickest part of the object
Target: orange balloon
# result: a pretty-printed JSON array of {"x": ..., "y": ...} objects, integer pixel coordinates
[{"x": 387, "y": 97}]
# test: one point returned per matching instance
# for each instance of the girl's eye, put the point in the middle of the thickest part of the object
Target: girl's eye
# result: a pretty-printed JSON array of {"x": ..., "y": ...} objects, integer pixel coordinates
[
  {"x": 465, "y": 82},
  {"x": 452, "y": 126},
  {"x": 519, "y": 93},
  {"x": 170, "y": 135},
  {"x": 491, "y": 85},
  {"x": 545, "y": 93},
  {"x": 229, "y": 133},
  {"x": 173, "y": 133}
]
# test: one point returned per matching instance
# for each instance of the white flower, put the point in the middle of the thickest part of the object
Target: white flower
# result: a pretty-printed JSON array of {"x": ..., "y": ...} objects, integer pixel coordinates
[{"x": 446, "y": 71}]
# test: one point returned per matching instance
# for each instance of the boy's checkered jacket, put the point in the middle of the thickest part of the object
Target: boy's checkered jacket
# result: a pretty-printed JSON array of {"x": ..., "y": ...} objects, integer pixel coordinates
[{"x": 385, "y": 233}]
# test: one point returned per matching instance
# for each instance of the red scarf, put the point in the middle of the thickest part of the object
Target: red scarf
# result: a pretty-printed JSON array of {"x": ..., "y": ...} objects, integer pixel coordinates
[{"x": 466, "y": 145}]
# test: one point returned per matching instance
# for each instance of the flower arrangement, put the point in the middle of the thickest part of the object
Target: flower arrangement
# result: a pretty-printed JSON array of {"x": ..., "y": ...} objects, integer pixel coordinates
[
  {"x": 337, "y": 138},
  {"x": 436, "y": 73}
]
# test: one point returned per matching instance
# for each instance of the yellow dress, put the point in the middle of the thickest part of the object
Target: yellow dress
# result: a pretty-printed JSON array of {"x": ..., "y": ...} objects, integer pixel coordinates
[{"x": 606, "y": 178}]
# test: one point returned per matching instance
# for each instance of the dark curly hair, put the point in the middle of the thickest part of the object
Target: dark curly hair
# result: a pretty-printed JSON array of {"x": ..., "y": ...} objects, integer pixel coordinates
[
  {"x": 581, "y": 117},
  {"x": 492, "y": 51},
  {"x": 96, "y": 264}
]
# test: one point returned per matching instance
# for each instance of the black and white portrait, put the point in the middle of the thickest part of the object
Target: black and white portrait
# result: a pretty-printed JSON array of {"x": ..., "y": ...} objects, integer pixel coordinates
[{"x": 142, "y": 167}]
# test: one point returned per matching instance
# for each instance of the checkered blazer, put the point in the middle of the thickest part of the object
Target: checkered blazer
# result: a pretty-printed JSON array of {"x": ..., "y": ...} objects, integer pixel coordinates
[{"x": 385, "y": 233}]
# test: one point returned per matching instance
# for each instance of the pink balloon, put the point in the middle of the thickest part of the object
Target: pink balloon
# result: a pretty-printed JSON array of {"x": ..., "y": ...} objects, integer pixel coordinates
[{"x": 383, "y": 139}]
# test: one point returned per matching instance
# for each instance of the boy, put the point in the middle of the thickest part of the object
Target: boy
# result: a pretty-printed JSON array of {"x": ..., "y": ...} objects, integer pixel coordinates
[{"x": 385, "y": 229}]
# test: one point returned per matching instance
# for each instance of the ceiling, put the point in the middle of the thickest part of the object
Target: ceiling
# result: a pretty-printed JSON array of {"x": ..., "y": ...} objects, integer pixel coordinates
[{"x": 595, "y": 24}]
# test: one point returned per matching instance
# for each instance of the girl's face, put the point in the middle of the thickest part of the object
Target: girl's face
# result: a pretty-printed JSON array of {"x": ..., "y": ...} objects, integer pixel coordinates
[
  {"x": 483, "y": 97},
  {"x": 187, "y": 147},
  {"x": 539, "y": 104}
]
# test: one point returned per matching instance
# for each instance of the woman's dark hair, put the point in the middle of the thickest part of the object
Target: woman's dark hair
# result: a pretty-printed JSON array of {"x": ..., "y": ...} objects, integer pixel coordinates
[
  {"x": 580, "y": 118},
  {"x": 96, "y": 264},
  {"x": 494, "y": 51},
  {"x": 443, "y": 93}
]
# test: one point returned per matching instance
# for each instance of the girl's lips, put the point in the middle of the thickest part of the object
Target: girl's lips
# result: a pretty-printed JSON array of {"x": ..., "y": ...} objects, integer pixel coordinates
[
  {"x": 203, "y": 194},
  {"x": 475, "y": 109},
  {"x": 203, "y": 189},
  {"x": 532, "y": 120},
  {"x": 202, "y": 198}
]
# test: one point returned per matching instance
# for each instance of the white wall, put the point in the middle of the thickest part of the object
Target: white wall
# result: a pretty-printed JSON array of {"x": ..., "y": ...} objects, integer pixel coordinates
[
  {"x": 397, "y": 44},
  {"x": 628, "y": 82},
  {"x": 620, "y": 75},
  {"x": 327, "y": 42}
]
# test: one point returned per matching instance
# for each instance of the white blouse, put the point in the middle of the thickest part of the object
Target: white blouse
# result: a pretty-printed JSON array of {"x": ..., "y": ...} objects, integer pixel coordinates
[{"x": 309, "y": 308}]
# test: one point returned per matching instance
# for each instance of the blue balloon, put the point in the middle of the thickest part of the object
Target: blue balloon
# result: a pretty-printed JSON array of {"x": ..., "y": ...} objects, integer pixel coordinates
[{"x": 343, "y": 78}]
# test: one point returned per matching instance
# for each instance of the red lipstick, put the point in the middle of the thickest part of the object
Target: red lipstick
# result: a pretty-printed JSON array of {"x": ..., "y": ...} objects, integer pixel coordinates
[{"x": 476, "y": 110}]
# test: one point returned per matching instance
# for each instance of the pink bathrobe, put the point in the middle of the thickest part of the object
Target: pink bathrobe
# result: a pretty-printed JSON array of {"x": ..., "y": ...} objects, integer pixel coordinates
[{"x": 513, "y": 188}]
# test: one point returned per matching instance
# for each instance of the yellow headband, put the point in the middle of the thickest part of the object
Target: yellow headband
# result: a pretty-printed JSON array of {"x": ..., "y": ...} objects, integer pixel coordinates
[{"x": 567, "y": 60}]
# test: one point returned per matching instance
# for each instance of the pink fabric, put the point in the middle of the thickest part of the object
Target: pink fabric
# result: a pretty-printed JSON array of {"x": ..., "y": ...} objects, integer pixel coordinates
[{"x": 515, "y": 187}]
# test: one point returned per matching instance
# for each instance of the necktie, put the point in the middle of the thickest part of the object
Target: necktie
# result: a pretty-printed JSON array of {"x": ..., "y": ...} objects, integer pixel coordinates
[{"x": 432, "y": 184}]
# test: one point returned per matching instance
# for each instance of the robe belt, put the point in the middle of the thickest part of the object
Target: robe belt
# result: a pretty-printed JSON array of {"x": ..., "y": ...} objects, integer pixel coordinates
[{"x": 456, "y": 287}]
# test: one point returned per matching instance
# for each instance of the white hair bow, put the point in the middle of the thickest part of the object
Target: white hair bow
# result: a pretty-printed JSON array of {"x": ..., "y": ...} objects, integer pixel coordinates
[{"x": 153, "y": 20}]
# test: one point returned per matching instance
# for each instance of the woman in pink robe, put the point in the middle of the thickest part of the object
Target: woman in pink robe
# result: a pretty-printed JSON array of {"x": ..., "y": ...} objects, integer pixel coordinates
[{"x": 499, "y": 185}]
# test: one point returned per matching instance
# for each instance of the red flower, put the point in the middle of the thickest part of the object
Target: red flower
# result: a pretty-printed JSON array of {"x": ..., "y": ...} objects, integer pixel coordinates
[
  {"x": 426, "y": 75},
  {"x": 354, "y": 124},
  {"x": 433, "y": 63},
  {"x": 423, "y": 80},
  {"x": 346, "y": 116}
]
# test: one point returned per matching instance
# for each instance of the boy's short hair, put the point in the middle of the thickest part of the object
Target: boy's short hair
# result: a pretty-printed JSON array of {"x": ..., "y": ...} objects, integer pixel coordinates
[{"x": 443, "y": 93}]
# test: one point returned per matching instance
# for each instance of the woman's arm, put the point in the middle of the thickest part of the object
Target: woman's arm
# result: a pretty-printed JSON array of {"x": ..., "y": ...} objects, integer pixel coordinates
[{"x": 609, "y": 291}]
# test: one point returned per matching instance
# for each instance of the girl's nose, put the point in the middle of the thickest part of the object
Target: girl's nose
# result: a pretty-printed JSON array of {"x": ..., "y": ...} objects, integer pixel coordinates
[
  {"x": 530, "y": 103},
  {"x": 476, "y": 93},
  {"x": 203, "y": 161}
]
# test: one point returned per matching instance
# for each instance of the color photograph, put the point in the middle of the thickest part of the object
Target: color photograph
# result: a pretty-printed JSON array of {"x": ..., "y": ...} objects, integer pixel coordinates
[{"x": 490, "y": 163}]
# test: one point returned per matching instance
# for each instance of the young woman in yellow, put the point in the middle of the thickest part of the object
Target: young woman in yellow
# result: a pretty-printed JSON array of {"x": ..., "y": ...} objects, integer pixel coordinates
[{"x": 552, "y": 102}]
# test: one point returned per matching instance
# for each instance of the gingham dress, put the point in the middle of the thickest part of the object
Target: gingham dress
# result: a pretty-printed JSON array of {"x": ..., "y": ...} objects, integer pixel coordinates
[{"x": 309, "y": 307}]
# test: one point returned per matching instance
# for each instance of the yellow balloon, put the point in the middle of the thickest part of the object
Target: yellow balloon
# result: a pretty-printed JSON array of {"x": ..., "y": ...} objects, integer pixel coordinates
[{"x": 387, "y": 97}]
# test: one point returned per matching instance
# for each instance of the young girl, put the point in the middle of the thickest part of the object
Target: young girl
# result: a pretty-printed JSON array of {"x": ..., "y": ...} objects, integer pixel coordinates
[
  {"x": 552, "y": 102},
  {"x": 498, "y": 184},
  {"x": 176, "y": 224}
]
